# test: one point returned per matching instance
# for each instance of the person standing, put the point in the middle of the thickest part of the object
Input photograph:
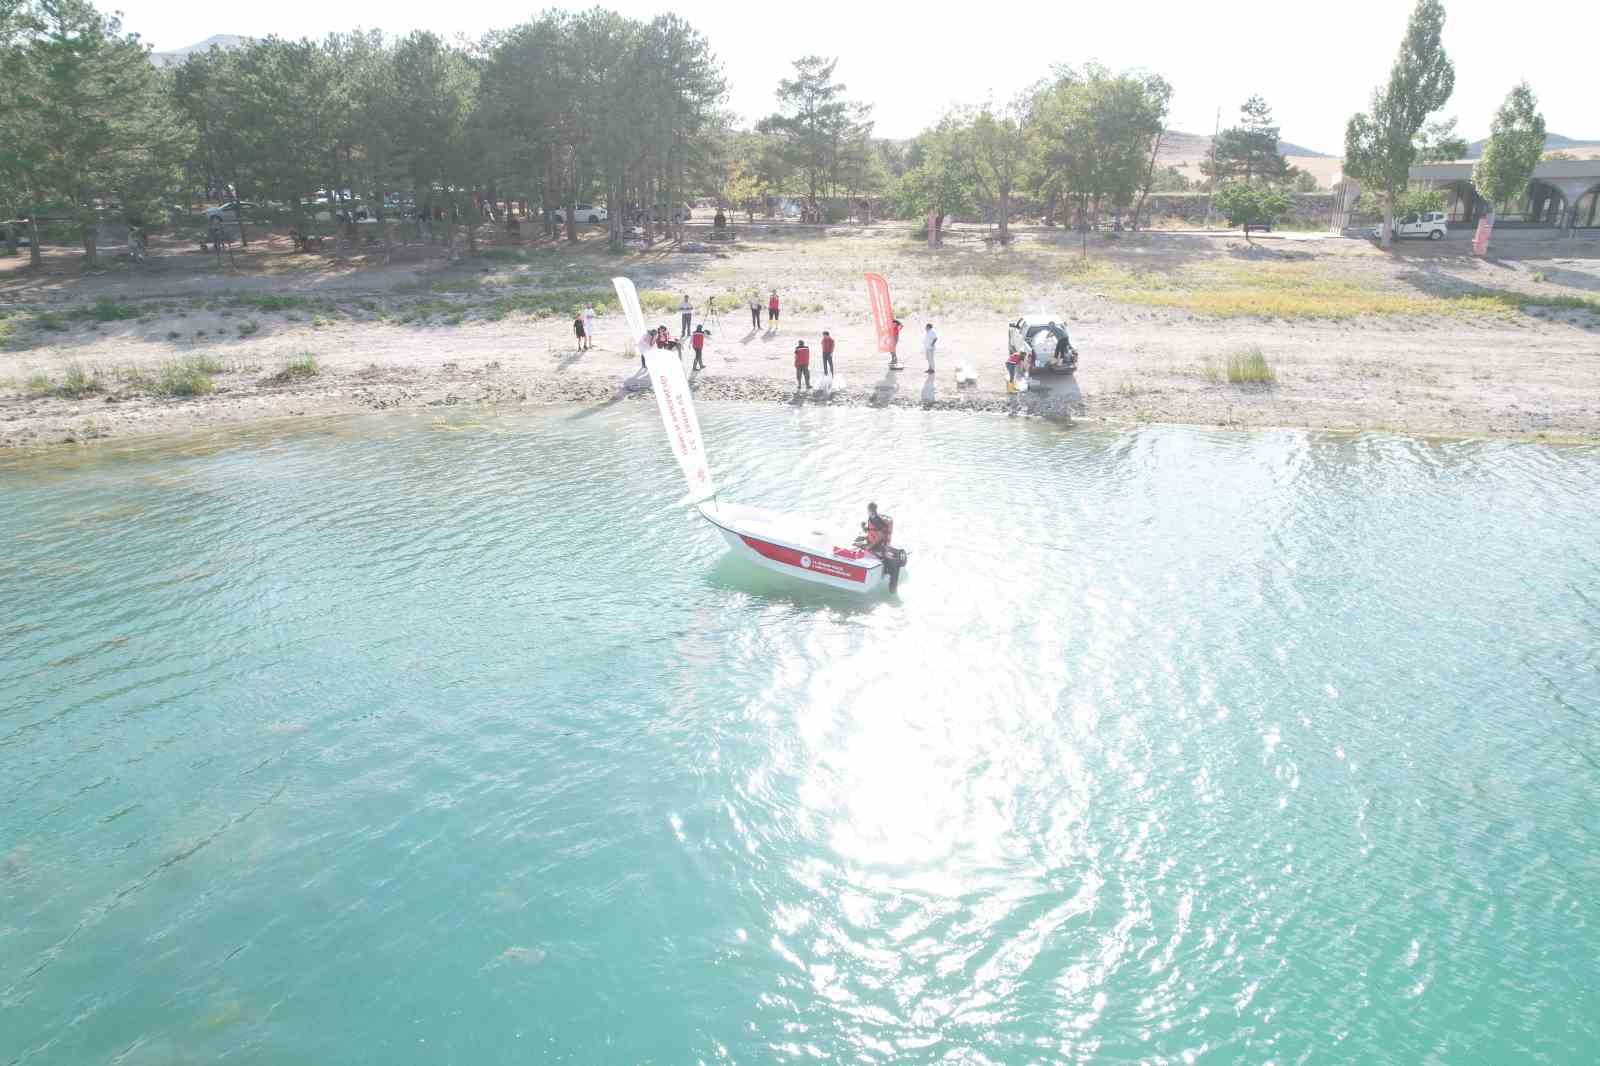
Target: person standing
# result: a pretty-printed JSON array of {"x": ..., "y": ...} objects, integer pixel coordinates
[
  {"x": 698, "y": 343},
  {"x": 930, "y": 341},
  {"x": 755, "y": 311},
  {"x": 588, "y": 324},
  {"x": 802, "y": 366},
  {"x": 686, "y": 312},
  {"x": 894, "y": 351},
  {"x": 827, "y": 353},
  {"x": 577, "y": 328},
  {"x": 772, "y": 310}
]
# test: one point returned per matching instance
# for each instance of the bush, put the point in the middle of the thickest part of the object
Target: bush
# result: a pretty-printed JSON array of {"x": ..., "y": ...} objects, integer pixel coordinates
[
  {"x": 303, "y": 366},
  {"x": 1249, "y": 367},
  {"x": 248, "y": 326},
  {"x": 77, "y": 383},
  {"x": 186, "y": 377}
]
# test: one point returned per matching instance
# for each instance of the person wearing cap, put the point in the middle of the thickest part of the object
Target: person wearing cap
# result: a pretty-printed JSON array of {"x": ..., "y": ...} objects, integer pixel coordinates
[
  {"x": 827, "y": 353},
  {"x": 802, "y": 366}
]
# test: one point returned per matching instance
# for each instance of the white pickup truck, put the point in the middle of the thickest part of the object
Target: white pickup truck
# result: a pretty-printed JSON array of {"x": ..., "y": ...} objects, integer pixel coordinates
[{"x": 1429, "y": 224}]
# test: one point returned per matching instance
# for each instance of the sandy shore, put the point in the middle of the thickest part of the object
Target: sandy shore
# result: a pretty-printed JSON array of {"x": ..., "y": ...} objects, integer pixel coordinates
[{"x": 1529, "y": 375}]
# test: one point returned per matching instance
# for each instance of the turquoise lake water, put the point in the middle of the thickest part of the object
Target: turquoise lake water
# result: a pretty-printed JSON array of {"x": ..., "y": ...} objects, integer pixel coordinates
[{"x": 393, "y": 741}]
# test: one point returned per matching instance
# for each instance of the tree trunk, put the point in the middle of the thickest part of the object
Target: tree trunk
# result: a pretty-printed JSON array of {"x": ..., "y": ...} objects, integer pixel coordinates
[
  {"x": 473, "y": 219},
  {"x": 89, "y": 236},
  {"x": 35, "y": 256},
  {"x": 572, "y": 202},
  {"x": 238, "y": 195},
  {"x": 383, "y": 225},
  {"x": 1005, "y": 217},
  {"x": 1149, "y": 179},
  {"x": 1388, "y": 219}
]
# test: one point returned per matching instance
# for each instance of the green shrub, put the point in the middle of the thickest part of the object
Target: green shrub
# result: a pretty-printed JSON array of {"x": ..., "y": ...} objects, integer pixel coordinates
[
  {"x": 302, "y": 366},
  {"x": 51, "y": 321},
  {"x": 77, "y": 383},
  {"x": 1249, "y": 367},
  {"x": 38, "y": 384},
  {"x": 184, "y": 377},
  {"x": 248, "y": 326}
]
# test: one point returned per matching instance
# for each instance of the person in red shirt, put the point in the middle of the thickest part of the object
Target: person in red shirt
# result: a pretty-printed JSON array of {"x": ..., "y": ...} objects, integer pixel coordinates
[
  {"x": 772, "y": 310},
  {"x": 802, "y": 366},
  {"x": 827, "y": 354},
  {"x": 894, "y": 353},
  {"x": 698, "y": 342}
]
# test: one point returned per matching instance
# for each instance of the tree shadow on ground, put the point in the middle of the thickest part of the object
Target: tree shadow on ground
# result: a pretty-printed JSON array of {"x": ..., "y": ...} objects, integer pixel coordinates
[{"x": 1431, "y": 281}]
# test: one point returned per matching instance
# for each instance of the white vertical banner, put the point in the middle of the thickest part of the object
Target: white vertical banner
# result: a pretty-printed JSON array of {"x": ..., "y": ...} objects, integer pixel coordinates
[
  {"x": 677, "y": 415},
  {"x": 628, "y": 296}
]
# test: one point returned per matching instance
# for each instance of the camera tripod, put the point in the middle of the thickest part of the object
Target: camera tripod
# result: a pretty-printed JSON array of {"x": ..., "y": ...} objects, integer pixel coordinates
[{"x": 709, "y": 313}]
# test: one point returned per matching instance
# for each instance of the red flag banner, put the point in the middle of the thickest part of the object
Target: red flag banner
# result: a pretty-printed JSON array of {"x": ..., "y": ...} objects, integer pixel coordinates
[
  {"x": 882, "y": 311},
  {"x": 1480, "y": 240}
]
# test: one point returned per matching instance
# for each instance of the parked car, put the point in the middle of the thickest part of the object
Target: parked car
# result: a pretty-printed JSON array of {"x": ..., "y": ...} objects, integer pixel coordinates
[
  {"x": 1432, "y": 225},
  {"x": 584, "y": 213},
  {"x": 228, "y": 209},
  {"x": 680, "y": 213}
]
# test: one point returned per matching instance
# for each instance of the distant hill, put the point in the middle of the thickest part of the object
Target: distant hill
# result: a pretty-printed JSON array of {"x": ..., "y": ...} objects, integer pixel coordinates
[
  {"x": 1553, "y": 142},
  {"x": 1285, "y": 148},
  {"x": 1178, "y": 146},
  {"x": 1186, "y": 150},
  {"x": 178, "y": 55}
]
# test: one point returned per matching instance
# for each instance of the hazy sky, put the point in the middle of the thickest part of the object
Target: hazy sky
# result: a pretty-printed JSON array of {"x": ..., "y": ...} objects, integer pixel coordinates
[{"x": 1313, "y": 65}]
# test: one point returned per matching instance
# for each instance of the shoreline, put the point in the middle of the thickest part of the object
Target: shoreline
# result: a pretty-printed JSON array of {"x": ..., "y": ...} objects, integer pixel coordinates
[{"x": 52, "y": 426}]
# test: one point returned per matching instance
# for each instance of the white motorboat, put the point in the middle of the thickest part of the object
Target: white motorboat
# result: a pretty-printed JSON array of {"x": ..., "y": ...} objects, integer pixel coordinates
[
  {"x": 788, "y": 544},
  {"x": 799, "y": 547}
]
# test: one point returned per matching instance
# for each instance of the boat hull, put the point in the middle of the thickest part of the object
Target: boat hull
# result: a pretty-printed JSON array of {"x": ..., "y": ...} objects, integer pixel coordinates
[{"x": 779, "y": 544}]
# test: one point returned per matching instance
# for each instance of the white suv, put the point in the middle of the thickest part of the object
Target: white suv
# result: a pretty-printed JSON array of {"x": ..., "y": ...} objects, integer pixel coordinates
[{"x": 1429, "y": 224}]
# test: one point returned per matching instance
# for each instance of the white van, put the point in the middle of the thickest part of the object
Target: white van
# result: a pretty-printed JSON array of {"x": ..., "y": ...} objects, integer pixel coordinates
[{"x": 1429, "y": 224}]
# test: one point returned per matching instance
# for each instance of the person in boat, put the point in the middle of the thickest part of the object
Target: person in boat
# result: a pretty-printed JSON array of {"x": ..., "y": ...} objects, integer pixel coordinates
[{"x": 877, "y": 531}]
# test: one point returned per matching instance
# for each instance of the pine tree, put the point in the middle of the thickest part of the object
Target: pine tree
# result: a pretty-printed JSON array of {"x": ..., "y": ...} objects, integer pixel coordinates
[
  {"x": 96, "y": 129},
  {"x": 1249, "y": 151}
]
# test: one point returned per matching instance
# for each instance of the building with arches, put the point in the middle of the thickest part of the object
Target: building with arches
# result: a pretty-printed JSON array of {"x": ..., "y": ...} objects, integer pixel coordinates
[{"x": 1563, "y": 199}]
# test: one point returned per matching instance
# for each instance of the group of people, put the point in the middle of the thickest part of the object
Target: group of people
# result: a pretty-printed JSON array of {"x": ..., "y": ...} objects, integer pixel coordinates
[
  {"x": 772, "y": 311},
  {"x": 697, "y": 336},
  {"x": 660, "y": 337},
  {"x": 802, "y": 361}
]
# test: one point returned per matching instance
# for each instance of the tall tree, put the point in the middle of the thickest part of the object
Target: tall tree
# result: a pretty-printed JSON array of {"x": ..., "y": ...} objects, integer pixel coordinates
[
  {"x": 1380, "y": 145},
  {"x": 1516, "y": 141},
  {"x": 939, "y": 179},
  {"x": 816, "y": 122},
  {"x": 1249, "y": 150},
  {"x": 1094, "y": 131},
  {"x": 994, "y": 140},
  {"x": 96, "y": 126}
]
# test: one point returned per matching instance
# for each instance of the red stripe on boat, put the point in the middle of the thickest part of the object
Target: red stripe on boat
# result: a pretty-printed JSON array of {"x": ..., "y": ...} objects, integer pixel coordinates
[{"x": 815, "y": 563}]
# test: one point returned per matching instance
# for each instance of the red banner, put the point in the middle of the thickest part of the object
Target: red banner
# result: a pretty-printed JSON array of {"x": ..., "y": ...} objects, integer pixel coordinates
[
  {"x": 1480, "y": 240},
  {"x": 882, "y": 311}
]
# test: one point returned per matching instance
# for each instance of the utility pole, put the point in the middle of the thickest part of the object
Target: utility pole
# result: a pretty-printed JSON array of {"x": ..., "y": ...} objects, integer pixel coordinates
[{"x": 1216, "y": 132}]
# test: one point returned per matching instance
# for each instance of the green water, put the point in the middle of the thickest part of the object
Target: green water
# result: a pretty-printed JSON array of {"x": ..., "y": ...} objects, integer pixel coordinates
[{"x": 383, "y": 742}]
